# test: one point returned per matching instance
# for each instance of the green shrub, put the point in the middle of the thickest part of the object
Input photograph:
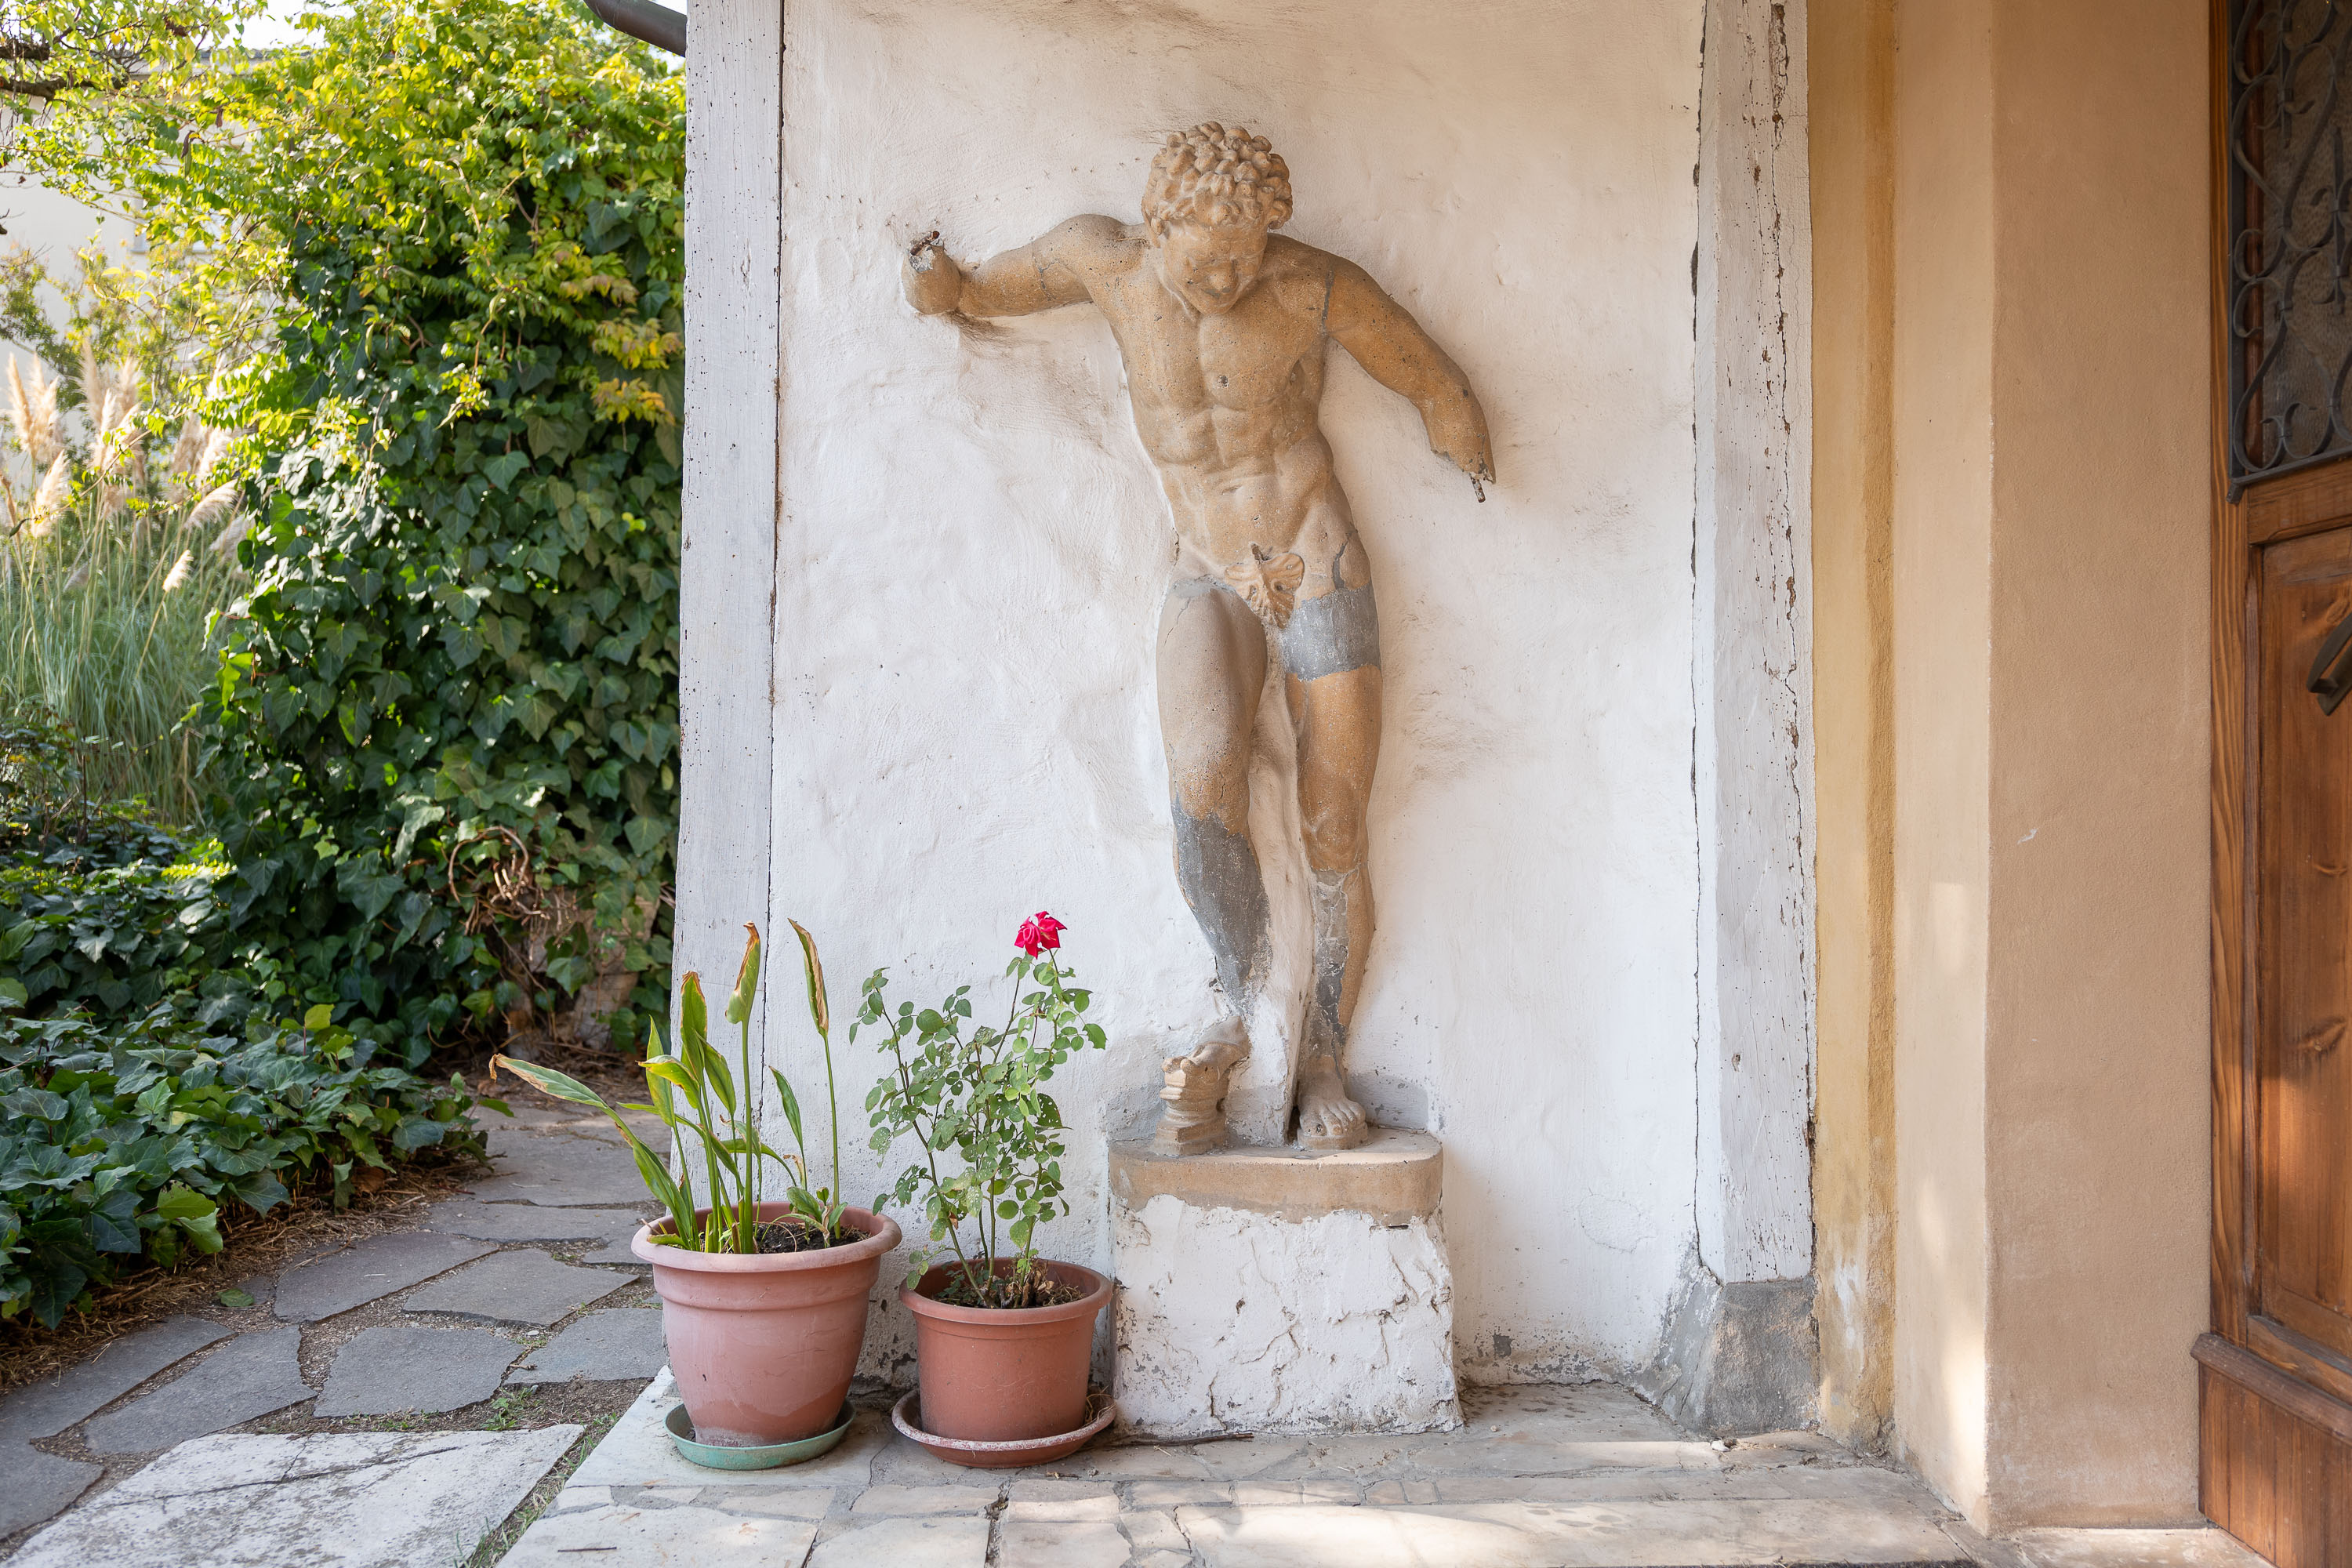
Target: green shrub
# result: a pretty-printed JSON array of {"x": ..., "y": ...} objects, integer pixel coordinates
[
  {"x": 448, "y": 720},
  {"x": 124, "y": 1139},
  {"x": 445, "y": 728},
  {"x": 100, "y": 910}
]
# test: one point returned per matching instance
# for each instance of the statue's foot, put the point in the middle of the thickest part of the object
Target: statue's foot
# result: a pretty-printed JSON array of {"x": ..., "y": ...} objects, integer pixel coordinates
[
  {"x": 1220, "y": 1049},
  {"x": 1327, "y": 1119},
  {"x": 1192, "y": 1090}
]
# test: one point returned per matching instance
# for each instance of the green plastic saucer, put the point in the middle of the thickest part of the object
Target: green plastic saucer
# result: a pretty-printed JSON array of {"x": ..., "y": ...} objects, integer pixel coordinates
[{"x": 768, "y": 1456}]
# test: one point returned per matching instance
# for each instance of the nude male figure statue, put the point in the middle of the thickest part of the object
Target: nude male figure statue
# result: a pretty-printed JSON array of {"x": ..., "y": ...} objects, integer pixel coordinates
[{"x": 1222, "y": 326}]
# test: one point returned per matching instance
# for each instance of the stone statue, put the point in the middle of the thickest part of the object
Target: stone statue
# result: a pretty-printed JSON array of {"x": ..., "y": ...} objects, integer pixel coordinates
[{"x": 1222, "y": 326}]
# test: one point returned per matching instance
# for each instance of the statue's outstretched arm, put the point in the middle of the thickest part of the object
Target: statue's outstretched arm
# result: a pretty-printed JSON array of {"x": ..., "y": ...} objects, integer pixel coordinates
[
  {"x": 1392, "y": 347},
  {"x": 1049, "y": 270}
]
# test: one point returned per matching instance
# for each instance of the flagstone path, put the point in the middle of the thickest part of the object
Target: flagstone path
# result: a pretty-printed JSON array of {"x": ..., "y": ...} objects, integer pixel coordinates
[
  {"x": 175, "y": 1443},
  {"x": 407, "y": 1402},
  {"x": 1545, "y": 1476}
]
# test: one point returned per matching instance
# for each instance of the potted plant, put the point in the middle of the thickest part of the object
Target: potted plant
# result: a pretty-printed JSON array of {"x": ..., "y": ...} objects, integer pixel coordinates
[
  {"x": 1003, "y": 1338},
  {"x": 763, "y": 1302}
]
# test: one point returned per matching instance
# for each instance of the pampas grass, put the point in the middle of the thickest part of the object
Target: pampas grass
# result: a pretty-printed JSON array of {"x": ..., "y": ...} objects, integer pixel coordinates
[{"x": 110, "y": 582}]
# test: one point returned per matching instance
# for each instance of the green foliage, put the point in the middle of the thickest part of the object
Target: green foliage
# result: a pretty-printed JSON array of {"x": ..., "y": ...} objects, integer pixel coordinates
[
  {"x": 706, "y": 1105},
  {"x": 124, "y": 1140},
  {"x": 100, "y": 910},
  {"x": 981, "y": 1098},
  {"x": 54, "y": 54},
  {"x": 454, "y": 673}
]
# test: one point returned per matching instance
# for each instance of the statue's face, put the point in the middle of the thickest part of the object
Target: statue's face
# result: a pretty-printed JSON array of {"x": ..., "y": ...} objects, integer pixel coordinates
[{"x": 1209, "y": 268}]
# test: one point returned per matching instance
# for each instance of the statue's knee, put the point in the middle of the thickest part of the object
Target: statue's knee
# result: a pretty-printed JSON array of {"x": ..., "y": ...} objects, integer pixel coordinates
[
  {"x": 1210, "y": 783},
  {"x": 1335, "y": 836}
]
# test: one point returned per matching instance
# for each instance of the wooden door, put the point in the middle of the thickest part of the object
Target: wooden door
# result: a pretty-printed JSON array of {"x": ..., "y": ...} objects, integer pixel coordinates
[
  {"x": 2303, "y": 967},
  {"x": 2277, "y": 1373},
  {"x": 2276, "y": 1368}
]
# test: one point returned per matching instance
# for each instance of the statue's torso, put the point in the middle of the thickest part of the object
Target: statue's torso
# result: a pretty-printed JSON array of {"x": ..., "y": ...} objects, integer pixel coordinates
[{"x": 1226, "y": 405}]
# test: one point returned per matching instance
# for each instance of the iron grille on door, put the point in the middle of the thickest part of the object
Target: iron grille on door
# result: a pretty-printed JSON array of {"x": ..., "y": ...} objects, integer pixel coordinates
[{"x": 2290, "y": 224}]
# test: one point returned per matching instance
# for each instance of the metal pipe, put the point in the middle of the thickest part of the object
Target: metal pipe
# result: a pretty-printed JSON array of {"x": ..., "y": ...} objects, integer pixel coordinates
[{"x": 645, "y": 22}]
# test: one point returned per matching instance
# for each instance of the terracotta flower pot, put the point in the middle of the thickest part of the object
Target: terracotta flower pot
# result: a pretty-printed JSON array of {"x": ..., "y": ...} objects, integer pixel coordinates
[
  {"x": 992, "y": 1375},
  {"x": 763, "y": 1346}
]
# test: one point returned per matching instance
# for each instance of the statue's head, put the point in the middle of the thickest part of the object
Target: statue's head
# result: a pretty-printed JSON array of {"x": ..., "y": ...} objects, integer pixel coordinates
[{"x": 1211, "y": 198}]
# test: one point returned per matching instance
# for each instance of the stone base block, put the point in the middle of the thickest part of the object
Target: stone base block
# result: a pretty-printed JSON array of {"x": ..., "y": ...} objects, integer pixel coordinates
[{"x": 1278, "y": 1290}]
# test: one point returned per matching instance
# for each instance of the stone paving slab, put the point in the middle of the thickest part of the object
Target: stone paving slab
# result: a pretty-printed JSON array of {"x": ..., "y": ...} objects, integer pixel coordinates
[
  {"x": 902, "y": 1543},
  {"x": 563, "y": 1171},
  {"x": 523, "y": 1287},
  {"x": 34, "y": 1486},
  {"x": 528, "y": 1222},
  {"x": 637, "y": 1452},
  {"x": 252, "y": 1375},
  {"x": 384, "y": 1372},
  {"x": 1089, "y": 1543},
  {"x": 385, "y": 1499},
  {"x": 46, "y": 1408},
  {"x": 682, "y": 1537},
  {"x": 367, "y": 1272},
  {"x": 2205, "y": 1548},
  {"x": 926, "y": 1499},
  {"x": 602, "y": 1347},
  {"x": 1291, "y": 1503},
  {"x": 1675, "y": 1534},
  {"x": 616, "y": 1252}
]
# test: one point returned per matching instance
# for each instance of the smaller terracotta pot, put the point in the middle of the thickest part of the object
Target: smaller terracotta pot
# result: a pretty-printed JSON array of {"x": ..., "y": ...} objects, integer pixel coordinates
[
  {"x": 1007, "y": 1375},
  {"x": 763, "y": 1345}
]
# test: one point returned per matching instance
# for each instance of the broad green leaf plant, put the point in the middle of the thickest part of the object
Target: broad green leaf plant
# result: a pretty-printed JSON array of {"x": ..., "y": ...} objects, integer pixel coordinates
[
  {"x": 980, "y": 1096},
  {"x": 709, "y": 1105}
]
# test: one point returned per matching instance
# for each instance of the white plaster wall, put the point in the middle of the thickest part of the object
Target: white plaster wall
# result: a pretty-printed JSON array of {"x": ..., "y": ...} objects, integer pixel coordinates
[{"x": 972, "y": 550}]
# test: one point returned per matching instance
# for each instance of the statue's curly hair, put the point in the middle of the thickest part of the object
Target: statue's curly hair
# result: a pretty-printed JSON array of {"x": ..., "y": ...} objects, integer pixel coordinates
[{"x": 1216, "y": 177}]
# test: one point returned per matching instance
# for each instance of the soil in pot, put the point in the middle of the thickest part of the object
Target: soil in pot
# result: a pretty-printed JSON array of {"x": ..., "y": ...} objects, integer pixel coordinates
[{"x": 1005, "y": 1375}]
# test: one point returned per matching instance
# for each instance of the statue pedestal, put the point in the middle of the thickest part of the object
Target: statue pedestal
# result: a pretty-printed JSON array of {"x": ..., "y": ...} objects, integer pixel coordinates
[{"x": 1280, "y": 1290}]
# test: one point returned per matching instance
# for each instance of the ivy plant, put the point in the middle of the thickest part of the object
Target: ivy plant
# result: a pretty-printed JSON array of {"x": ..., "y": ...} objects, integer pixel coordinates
[
  {"x": 445, "y": 713},
  {"x": 123, "y": 1139}
]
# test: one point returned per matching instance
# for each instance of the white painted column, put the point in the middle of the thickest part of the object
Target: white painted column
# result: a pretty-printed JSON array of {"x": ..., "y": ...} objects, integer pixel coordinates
[
  {"x": 1739, "y": 1348},
  {"x": 727, "y": 590},
  {"x": 1753, "y": 670}
]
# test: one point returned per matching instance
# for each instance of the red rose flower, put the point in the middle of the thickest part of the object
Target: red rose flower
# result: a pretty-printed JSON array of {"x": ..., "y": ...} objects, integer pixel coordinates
[{"x": 1038, "y": 932}]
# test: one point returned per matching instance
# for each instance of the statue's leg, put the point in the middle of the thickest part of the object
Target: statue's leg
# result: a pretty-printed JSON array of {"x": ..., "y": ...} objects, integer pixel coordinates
[
  {"x": 1331, "y": 656},
  {"x": 1211, "y": 669}
]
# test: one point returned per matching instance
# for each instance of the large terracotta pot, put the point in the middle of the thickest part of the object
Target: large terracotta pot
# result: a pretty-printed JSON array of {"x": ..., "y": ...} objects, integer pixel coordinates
[
  {"x": 763, "y": 1347},
  {"x": 1005, "y": 1375}
]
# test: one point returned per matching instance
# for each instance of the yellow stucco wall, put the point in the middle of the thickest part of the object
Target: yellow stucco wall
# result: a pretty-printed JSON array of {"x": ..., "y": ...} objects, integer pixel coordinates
[{"x": 2044, "y": 452}]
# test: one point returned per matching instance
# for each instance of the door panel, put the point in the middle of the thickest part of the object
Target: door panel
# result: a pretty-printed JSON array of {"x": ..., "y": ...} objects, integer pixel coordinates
[{"x": 2303, "y": 1012}]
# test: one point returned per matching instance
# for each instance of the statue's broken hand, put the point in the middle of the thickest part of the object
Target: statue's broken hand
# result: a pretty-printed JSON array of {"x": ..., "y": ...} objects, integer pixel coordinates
[
  {"x": 933, "y": 281},
  {"x": 1457, "y": 431}
]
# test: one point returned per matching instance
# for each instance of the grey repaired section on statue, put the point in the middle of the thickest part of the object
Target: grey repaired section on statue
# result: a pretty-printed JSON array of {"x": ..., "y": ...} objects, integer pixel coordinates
[
  {"x": 1736, "y": 1359},
  {"x": 1330, "y": 635},
  {"x": 1219, "y": 869}
]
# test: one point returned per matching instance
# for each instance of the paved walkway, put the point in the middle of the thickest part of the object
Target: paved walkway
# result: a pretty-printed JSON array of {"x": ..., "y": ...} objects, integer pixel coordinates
[
  {"x": 516, "y": 1312},
  {"x": 417, "y": 1399},
  {"x": 1539, "y": 1477}
]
